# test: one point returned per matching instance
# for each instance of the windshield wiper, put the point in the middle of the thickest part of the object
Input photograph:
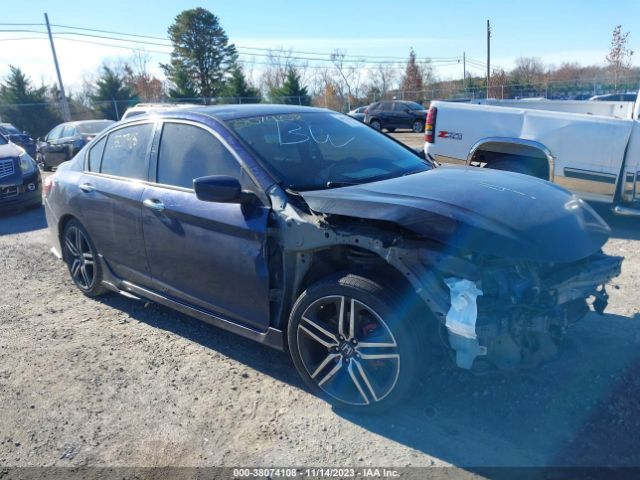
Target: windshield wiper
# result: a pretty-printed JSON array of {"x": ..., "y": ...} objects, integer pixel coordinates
[{"x": 331, "y": 184}]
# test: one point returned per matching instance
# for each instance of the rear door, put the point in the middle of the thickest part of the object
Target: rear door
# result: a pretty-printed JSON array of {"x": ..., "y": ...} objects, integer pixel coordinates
[
  {"x": 49, "y": 147},
  {"x": 65, "y": 144},
  {"x": 400, "y": 117},
  {"x": 210, "y": 255},
  {"x": 111, "y": 191}
]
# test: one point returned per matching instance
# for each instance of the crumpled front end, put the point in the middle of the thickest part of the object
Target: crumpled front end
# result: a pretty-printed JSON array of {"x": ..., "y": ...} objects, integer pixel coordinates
[{"x": 509, "y": 314}]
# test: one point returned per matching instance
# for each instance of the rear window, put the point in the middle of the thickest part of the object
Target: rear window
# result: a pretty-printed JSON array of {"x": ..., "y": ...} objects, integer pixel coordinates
[{"x": 126, "y": 152}]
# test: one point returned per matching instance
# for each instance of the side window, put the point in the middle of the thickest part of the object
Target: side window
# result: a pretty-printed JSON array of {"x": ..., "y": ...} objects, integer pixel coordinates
[
  {"x": 55, "y": 133},
  {"x": 400, "y": 107},
  {"x": 188, "y": 152},
  {"x": 125, "y": 153},
  {"x": 68, "y": 131},
  {"x": 95, "y": 155},
  {"x": 375, "y": 107},
  {"x": 385, "y": 106}
]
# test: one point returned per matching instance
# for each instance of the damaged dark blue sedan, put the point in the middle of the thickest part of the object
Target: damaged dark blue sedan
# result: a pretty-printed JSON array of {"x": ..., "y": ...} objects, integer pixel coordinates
[{"x": 307, "y": 230}]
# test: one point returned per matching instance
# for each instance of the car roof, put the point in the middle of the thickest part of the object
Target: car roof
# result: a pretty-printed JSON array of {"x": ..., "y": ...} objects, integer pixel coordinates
[
  {"x": 78, "y": 122},
  {"x": 230, "y": 112}
]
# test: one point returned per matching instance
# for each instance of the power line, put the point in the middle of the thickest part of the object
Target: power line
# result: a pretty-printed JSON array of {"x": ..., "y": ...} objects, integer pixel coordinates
[{"x": 351, "y": 57}]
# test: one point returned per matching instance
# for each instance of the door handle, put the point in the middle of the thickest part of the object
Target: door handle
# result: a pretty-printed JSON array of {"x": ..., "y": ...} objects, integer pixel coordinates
[
  {"x": 154, "y": 204},
  {"x": 87, "y": 187}
]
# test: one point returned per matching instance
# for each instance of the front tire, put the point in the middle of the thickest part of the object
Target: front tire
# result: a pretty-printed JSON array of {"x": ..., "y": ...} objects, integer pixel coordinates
[
  {"x": 353, "y": 341},
  {"x": 82, "y": 260}
]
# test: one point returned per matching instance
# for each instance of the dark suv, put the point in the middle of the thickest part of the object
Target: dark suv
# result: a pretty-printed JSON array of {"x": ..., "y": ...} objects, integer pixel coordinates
[
  {"x": 391, "y": 115},
  {"x": 308, "y": 231},
  {"x": 22, "y": 139}
]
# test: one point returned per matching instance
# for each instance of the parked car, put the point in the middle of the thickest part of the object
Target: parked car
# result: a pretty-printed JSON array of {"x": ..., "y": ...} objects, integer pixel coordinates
[
  {"x": 22, "y": 139},
  {"x": 306, "y": 230},
  {"x": 358, "y": 113},
  {"x": 615, "y": 97},
  {"x": 591, "y": 148},
  {"x": 390, "y": 115},
  {"x": 20, "y": 184},
  {"x": 64, "y": 141},
  {"x": 144, "y": 108}
]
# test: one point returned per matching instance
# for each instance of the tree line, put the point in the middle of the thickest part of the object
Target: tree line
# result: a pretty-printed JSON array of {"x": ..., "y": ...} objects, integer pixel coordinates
[{"x": 204, "y": 68}]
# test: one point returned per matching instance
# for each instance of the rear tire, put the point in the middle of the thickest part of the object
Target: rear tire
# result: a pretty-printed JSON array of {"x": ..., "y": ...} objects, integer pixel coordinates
[
  {"x": 366, "y": 363},
  {"x": 375, "y": 124},
  {"x": 81, "y": 257},
  {"x": 418, "y": 126}
]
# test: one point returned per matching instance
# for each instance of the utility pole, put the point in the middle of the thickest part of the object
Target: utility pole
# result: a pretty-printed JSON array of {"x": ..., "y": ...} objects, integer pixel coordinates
[
  {"x": 66, "y": 114},
  {"x": 464, "y": 71},
  {"x": 488, "y": 55}
]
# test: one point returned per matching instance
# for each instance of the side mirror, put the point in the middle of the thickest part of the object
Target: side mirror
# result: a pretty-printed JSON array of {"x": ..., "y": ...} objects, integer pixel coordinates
[{"x": 218, "y": 188}]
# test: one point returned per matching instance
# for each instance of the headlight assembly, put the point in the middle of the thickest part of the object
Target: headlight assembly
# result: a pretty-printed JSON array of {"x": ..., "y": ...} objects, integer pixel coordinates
[{"x": 27, "y": 164}]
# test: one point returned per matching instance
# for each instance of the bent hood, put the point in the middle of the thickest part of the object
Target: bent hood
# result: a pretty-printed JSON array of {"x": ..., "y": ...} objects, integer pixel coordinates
[{"x": 487, "y": 211}]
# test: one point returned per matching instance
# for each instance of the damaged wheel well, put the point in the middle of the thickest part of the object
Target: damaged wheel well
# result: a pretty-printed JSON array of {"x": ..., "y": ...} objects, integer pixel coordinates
[{"x": 342, "y": 259}]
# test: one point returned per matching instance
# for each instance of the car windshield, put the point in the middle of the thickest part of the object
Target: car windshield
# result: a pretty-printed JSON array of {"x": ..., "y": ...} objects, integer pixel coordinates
[
  {"x": 316, "y": 150},
  {"x": 93, "y": 127},
  {"x": 9, "y": 129}
]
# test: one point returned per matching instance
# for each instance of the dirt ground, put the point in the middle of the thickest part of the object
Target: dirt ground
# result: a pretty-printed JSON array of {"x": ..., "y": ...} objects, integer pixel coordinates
[{"x": 115, "y": 382}]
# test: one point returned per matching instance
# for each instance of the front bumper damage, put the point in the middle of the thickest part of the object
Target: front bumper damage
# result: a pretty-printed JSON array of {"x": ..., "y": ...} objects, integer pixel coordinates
[{"x": 514, "y": 315}]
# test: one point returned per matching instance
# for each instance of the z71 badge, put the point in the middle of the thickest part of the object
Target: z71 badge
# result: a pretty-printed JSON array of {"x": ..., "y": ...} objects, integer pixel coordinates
[{"x": 451, "y": 135}]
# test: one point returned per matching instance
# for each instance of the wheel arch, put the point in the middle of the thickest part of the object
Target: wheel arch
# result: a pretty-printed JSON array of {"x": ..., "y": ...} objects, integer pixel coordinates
[
  {"x": 344, "y": 258},
  {"x": 489, "y": 149}
]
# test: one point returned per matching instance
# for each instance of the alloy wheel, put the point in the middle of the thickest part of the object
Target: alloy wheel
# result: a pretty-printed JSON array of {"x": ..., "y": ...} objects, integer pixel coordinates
[
  {"x": 80, "y": 258},
  {"x": 348, "y": 350}
]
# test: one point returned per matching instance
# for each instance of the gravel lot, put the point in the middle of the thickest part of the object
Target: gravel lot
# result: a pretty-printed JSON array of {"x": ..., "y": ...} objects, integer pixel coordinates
[{"x": 115, "y": 382}]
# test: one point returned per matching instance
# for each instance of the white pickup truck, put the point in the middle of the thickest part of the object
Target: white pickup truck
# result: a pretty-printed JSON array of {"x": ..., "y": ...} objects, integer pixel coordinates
[{"x": 589, "y": 147}]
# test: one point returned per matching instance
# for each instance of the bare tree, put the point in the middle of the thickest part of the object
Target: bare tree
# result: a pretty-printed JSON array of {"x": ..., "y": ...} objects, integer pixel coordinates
[
  {"x": 279, "y": 62},
  {"x": 384, "y": 77},
  {"x": 619, "y": 57},
  {"x": 148, "y": 87},
  {"x": 528, "y": 71},
  {"x": 350, "y": 75}
]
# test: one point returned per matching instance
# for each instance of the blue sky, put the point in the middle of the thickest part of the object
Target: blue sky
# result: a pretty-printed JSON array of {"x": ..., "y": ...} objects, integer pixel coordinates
[{"x": 568, "y": 30}]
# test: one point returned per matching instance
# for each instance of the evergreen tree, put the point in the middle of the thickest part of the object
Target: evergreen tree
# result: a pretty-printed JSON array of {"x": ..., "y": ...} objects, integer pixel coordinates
[
  {"x": 412, "y": 80},
  {"x": 182, "y": 86},
  {"x": 238, "y": 87},
  {"x": 291, "y": 92},
  {"x": 112, "y": 96},
  {"x": 201, "y": 53},
  {"x": 25, "y": 106}
]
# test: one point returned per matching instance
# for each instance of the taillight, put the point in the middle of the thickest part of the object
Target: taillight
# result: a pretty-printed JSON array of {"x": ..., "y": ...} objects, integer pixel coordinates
[
  {"x": 47, "y": 185},
  {"x": 430, "y": 127},
  {"x": 366, "y": 111}
]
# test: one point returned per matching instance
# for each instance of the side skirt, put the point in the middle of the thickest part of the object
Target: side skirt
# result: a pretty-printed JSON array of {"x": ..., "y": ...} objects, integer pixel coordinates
[{"x": 272, "y": 337}]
